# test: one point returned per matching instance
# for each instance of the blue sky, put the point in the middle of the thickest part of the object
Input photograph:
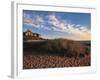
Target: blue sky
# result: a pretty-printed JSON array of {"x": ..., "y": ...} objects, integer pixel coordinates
[{"x": 48, "y": 24}]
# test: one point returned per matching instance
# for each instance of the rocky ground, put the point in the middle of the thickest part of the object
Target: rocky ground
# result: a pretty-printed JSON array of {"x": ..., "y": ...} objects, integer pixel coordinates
[{"x": 46, "y": 61}]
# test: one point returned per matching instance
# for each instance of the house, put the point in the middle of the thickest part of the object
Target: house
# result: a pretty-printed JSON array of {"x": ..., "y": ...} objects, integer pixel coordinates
[{"x": 29, "y": 35}]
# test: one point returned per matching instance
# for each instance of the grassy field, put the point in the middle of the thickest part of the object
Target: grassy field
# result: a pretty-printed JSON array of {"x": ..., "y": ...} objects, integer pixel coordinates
[
  {"x": 56, "y": 53},
  {"x": 87, "y": 43}
]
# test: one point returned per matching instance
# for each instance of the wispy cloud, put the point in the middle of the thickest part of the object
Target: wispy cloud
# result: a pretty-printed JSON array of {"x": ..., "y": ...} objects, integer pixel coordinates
[
  {"x": 36, "y": 21},
  {"x": 78, "y": 32}
]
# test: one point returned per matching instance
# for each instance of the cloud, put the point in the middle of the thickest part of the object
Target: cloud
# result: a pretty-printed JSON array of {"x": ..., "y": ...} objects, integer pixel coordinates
[
  {"x": 25, "y": 15},
  {"x": 27, "y": 20},
  {"x": 55, "y": 23},
  {"x": 35, "y": 21},
  {"x": 38, "y": 20},
  {"x": 78, "y": 31}
]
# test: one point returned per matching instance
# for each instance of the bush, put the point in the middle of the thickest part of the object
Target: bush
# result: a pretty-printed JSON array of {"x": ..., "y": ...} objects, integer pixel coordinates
[{"x": 59, "y": 46}]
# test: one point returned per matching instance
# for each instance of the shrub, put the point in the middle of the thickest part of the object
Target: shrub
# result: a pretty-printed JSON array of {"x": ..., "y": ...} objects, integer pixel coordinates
[{"x": 59, "y": 46}]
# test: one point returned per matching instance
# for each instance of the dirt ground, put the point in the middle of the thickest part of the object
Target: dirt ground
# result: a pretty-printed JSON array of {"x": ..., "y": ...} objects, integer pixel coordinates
[{"x": 35, "y": 61}]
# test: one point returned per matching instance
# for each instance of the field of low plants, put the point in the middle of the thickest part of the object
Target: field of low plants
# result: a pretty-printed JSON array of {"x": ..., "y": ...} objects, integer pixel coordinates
[{"x": 56, "y": 53}]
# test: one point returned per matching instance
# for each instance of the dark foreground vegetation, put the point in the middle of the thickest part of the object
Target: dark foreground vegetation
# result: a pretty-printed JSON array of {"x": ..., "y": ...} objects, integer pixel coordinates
[{"x": 56, "y": 53}]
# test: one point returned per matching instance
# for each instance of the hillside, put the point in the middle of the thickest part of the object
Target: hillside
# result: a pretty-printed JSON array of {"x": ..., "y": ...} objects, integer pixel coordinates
[
  {"x": 55, "y": 53},
  {"x": 58, "y": 46}
]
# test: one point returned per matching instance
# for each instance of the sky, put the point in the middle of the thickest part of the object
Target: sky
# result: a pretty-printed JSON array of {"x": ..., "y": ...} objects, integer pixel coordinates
[{"x": 51, "y": 25}]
